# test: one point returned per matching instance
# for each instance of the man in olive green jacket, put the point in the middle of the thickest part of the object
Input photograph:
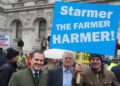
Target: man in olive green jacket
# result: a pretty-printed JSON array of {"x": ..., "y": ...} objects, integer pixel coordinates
[
  {"x": 97, "y": 75},
  {"x": 33, "y": 76}
]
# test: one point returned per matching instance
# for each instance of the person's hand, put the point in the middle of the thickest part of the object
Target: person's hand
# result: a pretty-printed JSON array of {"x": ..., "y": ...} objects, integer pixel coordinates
[{"x": 78, "y": 68}]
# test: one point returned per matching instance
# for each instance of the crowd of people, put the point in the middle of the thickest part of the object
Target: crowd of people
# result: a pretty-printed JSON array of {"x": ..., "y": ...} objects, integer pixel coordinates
[{"x": 34, "y": 70}]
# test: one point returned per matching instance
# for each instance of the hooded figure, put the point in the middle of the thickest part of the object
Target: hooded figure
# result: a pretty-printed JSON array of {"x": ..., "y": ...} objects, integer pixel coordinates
[{"x": 9, "y": 67}]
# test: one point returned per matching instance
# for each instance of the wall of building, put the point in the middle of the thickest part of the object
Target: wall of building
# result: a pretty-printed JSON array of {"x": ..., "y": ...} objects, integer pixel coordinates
[{"x": 28, "y": 15}]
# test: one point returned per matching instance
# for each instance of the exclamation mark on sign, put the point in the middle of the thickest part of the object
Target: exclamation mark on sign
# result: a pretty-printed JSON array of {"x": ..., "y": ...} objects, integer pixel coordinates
[{"x": 112, "y": 35}]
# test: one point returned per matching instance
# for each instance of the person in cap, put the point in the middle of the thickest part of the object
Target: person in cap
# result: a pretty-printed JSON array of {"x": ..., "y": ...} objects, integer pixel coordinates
[
  {"x": 63, "y": 75},
  {"x": 9, "y": 67},
  {"x": 97, "y": 75},
  {"x": 32, "y": 76}
]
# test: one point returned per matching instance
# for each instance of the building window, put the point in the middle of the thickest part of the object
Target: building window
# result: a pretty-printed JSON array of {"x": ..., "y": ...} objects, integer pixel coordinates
[
  {"x": 41, "y": 28},
  {"x": 18, "y": 30}
]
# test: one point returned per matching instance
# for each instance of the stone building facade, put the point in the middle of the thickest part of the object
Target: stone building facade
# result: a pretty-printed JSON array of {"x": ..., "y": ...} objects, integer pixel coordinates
[{"x": 29, "y": 20}]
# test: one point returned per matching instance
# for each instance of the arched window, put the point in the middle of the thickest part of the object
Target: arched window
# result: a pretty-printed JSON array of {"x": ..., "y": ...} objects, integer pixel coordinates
[
  {"x": 40, "y": 25},
  {"x": 41, "y": 28},
  {"x": 17, "y": 29}
]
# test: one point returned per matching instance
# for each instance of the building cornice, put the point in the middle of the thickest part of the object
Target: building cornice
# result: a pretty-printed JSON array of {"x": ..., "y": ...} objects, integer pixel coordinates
[{"x": 29, "y": 8}]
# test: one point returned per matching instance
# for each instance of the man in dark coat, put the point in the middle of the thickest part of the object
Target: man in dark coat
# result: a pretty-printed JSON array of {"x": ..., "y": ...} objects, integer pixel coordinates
[
  {"x": 55, "y": 77},
  {"x": 9, "y": 67},
  {"x": 63, "y": 75},
  {"x": 33, "y": 76}
]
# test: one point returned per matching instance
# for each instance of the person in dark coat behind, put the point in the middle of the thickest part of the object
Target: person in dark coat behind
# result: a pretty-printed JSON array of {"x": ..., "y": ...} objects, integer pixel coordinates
[
  {"x": 116, "y": 71},
  {"x": 2, "y": 57},
  {"x": 9, "y": 67}
]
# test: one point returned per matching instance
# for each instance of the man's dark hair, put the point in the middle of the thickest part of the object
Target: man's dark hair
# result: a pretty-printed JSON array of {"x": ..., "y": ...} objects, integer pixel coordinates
[
  {"x": 36, "y": 51},
  {"x": 96, "y": 55}
]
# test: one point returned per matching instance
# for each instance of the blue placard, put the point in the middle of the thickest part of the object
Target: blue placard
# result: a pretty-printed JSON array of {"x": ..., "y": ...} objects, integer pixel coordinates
[
  {"x": 59, "y": 0},
  {"x": 84, "y": 27}
]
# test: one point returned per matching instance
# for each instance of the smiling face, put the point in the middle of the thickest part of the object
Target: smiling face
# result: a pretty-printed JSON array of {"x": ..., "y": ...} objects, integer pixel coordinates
[
  {"x": 96, "y": 63},
  {"x": 37, "y": 61}
]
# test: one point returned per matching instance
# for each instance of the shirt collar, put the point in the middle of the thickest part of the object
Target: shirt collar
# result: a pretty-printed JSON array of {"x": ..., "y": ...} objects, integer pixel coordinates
[
  {"x": 33, "y": 71},
  {"x": 67, "y": 70}
]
